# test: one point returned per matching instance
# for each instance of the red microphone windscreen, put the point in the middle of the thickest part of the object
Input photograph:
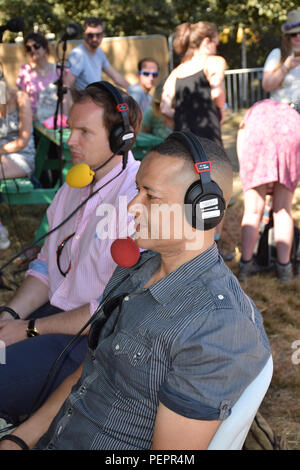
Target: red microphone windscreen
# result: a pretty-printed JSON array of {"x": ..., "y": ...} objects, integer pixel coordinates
[{"x": 125, "y": 252}]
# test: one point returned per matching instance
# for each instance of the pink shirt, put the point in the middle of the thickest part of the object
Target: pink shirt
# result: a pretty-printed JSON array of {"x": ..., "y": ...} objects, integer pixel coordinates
[
  {"x": 96, "y": 225},
  {"x": 31, "y": 82}
]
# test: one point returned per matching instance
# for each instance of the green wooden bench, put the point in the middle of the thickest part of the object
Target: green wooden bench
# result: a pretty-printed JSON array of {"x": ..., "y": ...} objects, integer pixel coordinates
[{"x": 23, "y": 190}]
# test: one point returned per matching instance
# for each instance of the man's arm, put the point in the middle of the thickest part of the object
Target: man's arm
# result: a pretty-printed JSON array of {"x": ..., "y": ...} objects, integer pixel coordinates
[
  {"x": 116, "y": 77},
  {"x": 32, "y": 294},
  {"x": 68, "y": 323},
  {"x": 35, "y": 427},
  {"x": 173, "y": 431}
]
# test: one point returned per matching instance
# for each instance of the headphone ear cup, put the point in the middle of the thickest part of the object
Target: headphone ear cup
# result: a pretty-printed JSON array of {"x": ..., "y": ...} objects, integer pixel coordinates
[
  {"x": 116, "y": 142},
  {"x": 204, "y": 211}
]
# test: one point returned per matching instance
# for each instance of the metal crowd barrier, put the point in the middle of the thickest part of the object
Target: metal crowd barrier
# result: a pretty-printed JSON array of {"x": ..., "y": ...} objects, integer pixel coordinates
[{"x": 243, "y": 88}]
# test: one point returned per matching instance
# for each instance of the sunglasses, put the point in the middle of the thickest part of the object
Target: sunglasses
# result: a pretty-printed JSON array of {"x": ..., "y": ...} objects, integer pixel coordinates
[
  {"x": 59, "y": 252},
  {"x": 293, "y": 35},
  {"x": 146, "y": 74},
  {"x": 36, "y": 46},
  {"x": 91, "y": 35},
  {"x": 97, "y": 325}
]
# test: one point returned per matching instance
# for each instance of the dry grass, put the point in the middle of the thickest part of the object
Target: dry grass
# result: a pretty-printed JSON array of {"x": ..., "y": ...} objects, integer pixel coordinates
[{"x": 280, "y": 306}]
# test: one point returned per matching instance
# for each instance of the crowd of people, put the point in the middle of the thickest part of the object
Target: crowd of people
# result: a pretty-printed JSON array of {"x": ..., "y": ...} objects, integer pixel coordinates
[{"x": 176, "y": 340}]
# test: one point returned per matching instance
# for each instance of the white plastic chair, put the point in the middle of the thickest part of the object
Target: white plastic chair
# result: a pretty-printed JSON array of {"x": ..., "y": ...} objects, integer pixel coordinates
[{"x": 232, "y": 432}]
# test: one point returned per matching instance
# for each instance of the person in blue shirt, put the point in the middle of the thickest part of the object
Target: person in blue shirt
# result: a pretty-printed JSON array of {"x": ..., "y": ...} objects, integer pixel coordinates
[
  {"x": 181, "y": 340},
  {"x": 87, "y": 61},
  {"x": 148, "y": 72}
]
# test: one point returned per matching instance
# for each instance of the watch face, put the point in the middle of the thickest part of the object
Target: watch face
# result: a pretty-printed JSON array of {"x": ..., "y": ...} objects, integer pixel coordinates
[{"x": 31, "y": 329}]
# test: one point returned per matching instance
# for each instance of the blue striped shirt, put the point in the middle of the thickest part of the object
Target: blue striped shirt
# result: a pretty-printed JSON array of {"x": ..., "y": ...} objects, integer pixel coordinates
[{"x": 192, "y": 341}]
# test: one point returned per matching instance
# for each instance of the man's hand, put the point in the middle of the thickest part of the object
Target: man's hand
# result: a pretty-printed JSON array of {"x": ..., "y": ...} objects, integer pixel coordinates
[{"x": 13, "y": 331}]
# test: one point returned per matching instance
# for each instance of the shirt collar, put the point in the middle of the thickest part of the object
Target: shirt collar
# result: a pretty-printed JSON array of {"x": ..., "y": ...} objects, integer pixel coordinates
[
  {"x": 114, "y": 172},
  {"x": 167, "y": 288}
]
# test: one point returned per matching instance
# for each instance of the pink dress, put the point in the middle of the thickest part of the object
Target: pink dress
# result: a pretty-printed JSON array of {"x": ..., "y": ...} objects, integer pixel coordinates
[{"x": 270, "y": 148}]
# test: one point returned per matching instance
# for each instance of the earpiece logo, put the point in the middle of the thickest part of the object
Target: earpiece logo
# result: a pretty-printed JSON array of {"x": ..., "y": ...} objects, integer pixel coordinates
[
  {"x": 121, "y": 107},
  {"x": 201, "y": 167}
]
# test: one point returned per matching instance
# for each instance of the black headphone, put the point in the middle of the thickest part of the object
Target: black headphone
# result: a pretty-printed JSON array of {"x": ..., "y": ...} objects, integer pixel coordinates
[
  {"x": 121, "y": 137},
  {"x": 204, "y": 202}
]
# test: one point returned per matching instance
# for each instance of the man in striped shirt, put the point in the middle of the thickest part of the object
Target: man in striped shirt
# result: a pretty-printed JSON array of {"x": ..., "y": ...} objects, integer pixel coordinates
[
  {"x": 181, "y": 341},
  {"x": 63, "y": 285}
]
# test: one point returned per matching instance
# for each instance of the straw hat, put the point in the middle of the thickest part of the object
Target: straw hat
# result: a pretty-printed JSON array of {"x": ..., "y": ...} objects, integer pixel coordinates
[{"x": 292, "y": 24}]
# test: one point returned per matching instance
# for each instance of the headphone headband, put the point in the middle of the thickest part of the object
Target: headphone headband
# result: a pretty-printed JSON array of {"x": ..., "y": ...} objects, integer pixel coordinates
[
  {"x": 204, "y": 197},
  {"x": 121, "y": 137}
]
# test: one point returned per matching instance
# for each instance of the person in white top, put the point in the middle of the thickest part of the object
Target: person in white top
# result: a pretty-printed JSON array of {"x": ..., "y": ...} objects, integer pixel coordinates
[{"x": 282, "y": 68}]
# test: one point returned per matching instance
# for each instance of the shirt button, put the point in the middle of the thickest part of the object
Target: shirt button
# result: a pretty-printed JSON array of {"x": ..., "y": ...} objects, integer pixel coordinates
[
  {"x": 117, "y": 347},
  {"x": 126, "y": 298},
  {"x": 77, "y": 236},
  {"x": 220, "y": 296}
]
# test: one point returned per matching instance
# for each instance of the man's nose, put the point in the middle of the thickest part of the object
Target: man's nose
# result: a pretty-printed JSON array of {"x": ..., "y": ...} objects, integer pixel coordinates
[{"x": 71, "y": 139}]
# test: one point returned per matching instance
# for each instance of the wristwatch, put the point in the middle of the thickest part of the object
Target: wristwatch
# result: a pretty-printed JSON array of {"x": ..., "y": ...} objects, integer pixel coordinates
[{"x": 31, "y": 329}]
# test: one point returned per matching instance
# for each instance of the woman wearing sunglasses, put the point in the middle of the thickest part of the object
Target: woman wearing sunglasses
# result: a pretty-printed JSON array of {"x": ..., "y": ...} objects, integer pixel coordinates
[
  {"x": 269, "y": 153},
  {"x": 38, "y": 73},
  {"x": 282, "y": 68}
]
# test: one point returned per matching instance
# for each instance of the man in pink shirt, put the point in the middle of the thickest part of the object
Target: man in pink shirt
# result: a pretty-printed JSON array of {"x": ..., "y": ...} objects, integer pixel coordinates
[{"x": 63, "y": 285}]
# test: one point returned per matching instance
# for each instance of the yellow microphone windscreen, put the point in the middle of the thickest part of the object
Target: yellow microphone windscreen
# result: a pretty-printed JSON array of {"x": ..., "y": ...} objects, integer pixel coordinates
[{"x": 79, "y": 175}]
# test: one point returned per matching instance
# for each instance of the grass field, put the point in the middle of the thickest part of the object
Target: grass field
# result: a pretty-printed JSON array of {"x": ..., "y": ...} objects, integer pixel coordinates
[{"x": 280, "y": 305}]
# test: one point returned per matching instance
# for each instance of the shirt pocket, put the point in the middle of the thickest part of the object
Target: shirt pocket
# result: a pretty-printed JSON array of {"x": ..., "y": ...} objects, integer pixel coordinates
[{"x": 136, "y": 349}]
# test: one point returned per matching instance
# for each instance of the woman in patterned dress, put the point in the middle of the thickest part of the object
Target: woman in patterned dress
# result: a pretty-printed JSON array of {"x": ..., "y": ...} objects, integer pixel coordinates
[
  {"x": 268, "y": 147},
  {"x": 17, "y": 150}
]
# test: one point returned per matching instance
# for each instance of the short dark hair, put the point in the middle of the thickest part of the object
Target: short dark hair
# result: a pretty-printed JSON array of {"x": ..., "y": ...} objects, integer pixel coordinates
[
  {"x": 92, "y": 21},
  {"x": 171, "y": 146},
  {"x": 221, "y": 166},
  {"x": 111, "y": 116},
  {"x": 147, "y": 59},
  {"x": 39, "y": 38}
]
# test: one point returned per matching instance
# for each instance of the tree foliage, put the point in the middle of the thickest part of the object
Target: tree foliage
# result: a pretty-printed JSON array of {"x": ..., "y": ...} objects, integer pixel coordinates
[{"x": 138, "y": 17}]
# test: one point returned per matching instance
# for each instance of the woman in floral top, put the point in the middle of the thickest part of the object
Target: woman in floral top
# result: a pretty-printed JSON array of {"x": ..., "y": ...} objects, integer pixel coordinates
[{"x": 38, "y": 73}]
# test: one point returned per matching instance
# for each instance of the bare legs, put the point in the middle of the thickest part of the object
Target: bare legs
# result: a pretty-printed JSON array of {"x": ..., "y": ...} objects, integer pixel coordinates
[
  {"x": 254, "y": 201},
  {"x": 283, "y": 222},
  {"x": 9, "y": 169}
]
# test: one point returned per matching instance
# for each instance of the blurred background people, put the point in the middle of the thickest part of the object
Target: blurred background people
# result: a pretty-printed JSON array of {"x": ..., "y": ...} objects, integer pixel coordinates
[
  {"x": 17, "y": 150},
  {"x": 268, "y": 148},
  {"x": 148, "y": 71},
  {"x": 38, "y": 73},
  {"x": 282, "y": 68},
  {"x": 154, "y": 122},
  {"x": 87, "y": 60},
  {"x": 193, "y": 94}
]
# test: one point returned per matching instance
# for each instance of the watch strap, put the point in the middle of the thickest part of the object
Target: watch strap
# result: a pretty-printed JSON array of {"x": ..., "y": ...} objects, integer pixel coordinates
[{"x": 14, "y": 314}]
